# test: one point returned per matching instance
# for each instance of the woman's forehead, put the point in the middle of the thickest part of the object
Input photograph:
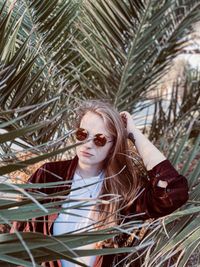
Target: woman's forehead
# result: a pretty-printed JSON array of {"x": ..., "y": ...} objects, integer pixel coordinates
[{"x": 94, "y": 123}]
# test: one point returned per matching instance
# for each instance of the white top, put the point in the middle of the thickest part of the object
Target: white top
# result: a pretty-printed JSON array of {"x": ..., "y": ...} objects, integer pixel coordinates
[{"x": 80, "y": 217}]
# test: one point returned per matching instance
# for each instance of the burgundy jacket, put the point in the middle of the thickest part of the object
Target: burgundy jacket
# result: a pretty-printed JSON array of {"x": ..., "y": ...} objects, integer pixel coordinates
[{"x": 154, "y": 201}]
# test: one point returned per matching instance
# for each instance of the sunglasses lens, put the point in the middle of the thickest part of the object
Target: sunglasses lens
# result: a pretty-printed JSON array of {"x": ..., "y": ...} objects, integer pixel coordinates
[
  {"x": 100, "y": 140},
  {"x": 81, "y": 134}
]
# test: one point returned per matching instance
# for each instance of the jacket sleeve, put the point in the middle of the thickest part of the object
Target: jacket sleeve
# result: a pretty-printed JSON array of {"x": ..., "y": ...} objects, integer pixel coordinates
[
  {"x": 37, "y": 177},
  {"x": 156, "y": 201}
]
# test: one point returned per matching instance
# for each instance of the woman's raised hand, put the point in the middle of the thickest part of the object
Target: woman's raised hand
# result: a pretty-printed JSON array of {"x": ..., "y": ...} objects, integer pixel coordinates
[{"x": 128, "y": 121}]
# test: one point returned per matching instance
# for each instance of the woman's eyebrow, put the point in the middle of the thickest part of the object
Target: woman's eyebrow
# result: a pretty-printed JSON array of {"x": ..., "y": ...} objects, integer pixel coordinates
[
  {"x": 105, "y": 135},
  {"x": 99, "y": 133}
]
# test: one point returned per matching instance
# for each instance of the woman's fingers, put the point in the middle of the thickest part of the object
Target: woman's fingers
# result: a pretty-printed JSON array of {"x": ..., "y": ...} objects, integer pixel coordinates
[{"x": 124, "y": 118}]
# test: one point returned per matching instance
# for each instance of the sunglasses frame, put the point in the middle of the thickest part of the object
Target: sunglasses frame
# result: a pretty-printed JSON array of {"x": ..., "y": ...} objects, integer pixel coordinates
[{"x": 95, "y": 137}]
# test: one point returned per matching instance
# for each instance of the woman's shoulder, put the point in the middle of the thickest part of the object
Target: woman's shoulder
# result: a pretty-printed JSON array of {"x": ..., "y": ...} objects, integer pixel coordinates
[
  {"x": 55, "y": 165},
  {"x": 53, "y": 170}
]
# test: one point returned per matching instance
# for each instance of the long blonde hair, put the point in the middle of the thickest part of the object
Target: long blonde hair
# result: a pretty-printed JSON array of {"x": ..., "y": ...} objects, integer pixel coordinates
[{"x": 119, "y": 165}]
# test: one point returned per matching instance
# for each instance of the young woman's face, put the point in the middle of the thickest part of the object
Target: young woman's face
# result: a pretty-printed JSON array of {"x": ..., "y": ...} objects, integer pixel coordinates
[{"x": 89, "y": 153}]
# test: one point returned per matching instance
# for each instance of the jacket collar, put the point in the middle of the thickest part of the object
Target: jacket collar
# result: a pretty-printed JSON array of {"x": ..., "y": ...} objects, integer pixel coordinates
[{"x": 72, "y": 168}]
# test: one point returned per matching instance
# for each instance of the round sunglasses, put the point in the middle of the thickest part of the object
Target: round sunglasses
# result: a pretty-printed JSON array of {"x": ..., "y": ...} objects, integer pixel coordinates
[{"x": 99, "y": 139}]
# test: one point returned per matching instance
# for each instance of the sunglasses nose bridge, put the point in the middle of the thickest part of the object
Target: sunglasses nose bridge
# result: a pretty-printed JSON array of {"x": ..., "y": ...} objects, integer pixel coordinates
[{"x": 89, "y": 141}]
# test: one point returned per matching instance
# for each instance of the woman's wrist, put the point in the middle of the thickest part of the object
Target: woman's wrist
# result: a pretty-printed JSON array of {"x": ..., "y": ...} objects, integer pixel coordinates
[{"x": 133, "y": 131}]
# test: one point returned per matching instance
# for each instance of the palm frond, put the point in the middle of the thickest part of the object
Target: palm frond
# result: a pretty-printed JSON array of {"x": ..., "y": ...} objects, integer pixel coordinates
[
  {"x": 29, "y": 63},
  {"x": 129, "y": 46}
]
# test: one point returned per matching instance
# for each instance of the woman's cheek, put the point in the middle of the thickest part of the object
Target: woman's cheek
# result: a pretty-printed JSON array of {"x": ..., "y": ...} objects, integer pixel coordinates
[
  {"x": 103, "y": 153},
  {"x": 78, "y": 149}
]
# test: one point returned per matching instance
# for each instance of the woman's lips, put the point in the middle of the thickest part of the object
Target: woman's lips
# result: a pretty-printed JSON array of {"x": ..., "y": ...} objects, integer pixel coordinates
[{"x": 86, "y": 154}]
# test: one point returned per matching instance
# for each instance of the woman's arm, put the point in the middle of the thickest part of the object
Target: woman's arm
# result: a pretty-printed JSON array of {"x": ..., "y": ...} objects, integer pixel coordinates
[
  {"x": 150, "y": 155},
  {"x": 166, "y": 189}
]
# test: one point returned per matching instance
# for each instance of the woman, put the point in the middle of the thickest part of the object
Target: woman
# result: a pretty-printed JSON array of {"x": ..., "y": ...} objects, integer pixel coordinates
[{"x": 105, "y": 153}]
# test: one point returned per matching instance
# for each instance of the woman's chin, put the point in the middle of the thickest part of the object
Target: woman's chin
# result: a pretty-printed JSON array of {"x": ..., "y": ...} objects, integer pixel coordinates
[{"x": 84, "y": 159}]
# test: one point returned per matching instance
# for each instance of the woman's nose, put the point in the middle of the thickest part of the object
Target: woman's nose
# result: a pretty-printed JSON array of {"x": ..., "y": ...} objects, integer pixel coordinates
[{"x": 89, "y": 143}]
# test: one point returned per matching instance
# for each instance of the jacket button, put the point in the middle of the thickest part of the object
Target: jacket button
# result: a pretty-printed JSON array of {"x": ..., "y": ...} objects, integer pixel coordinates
[
  {"x": 158, "y": 175},
  {"x": 168, "y": 190}
]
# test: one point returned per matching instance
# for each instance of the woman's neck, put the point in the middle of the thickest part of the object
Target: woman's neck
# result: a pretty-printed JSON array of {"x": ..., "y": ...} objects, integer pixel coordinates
[{"x": 87, "y": 171}]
